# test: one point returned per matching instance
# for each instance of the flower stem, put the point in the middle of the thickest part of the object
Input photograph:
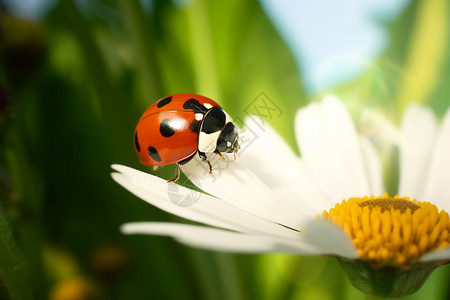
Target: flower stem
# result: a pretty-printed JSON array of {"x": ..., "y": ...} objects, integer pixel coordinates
[{"x": 11, "y": 267}]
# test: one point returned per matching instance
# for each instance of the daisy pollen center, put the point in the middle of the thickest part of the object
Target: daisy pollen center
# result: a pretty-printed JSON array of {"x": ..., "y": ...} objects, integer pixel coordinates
[
  {"x": 391, "y": 230},
  {"x": 386, "y": 203}
]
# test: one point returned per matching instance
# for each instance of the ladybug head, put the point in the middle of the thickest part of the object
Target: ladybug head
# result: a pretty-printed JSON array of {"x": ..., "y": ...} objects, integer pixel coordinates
[
  {"x": 218, "y": 133},
  {"x": 228, "y": 140}
]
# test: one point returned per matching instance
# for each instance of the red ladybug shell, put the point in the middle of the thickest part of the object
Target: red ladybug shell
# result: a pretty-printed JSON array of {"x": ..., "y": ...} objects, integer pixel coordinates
[{"x": 168, "y": 130}]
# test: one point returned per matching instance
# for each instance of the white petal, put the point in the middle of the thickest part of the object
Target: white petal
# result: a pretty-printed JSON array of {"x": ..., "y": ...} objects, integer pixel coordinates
[
  {"x": 436, "y": 255},
  {"x": 239, "y": 186},
  {"x": 372, "y": 166},
  {"x": 437, "y": 189},
  {"x": 330, "y": 239},
  {"x": 330, "y": 147},
  {"x": 382, "y": 132},
  {"x": 220, "y": 240},
  {"x": 419, "y": 128},
  {"x": 271, "y": 159},
  {"x": 207, "y": 209}
]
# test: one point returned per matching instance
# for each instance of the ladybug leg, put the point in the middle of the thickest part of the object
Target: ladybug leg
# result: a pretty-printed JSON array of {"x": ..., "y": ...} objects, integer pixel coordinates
[
  {"x": 220, "y": 154},
  {"x": 176, "y": 174},
  {"x": 203, "y": 157},
  {"x": 210, "y": 167}
]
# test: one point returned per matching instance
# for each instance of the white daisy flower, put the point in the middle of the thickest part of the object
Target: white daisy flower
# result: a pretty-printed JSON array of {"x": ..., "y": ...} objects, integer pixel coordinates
[{"x": 329, "y": 201}]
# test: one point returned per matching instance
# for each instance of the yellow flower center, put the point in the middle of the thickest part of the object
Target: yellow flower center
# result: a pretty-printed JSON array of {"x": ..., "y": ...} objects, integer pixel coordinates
[{"x": 391, "y": 230}]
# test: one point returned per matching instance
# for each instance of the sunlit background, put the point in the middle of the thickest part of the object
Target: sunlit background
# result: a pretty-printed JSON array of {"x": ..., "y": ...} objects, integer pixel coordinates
[{"x": 76, "y": 75}]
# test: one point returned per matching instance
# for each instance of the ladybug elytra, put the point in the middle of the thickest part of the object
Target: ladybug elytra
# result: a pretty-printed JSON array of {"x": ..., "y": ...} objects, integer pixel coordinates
[{"x": 173, "y": 129}]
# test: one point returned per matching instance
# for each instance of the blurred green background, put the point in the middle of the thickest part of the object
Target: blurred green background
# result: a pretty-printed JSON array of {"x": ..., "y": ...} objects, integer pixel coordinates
[{"x": 73, "y": 84}]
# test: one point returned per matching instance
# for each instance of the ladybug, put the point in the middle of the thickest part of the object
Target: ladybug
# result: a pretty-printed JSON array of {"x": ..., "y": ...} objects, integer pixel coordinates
[{"x": 173, "y": 129}]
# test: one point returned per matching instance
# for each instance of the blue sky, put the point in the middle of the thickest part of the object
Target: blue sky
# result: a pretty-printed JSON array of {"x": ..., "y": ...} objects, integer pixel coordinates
[{"x": 333, "y": 41}]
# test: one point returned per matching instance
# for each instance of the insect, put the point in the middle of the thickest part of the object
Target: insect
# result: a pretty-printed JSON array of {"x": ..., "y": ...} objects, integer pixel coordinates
[{"x": 173, "y": 129}]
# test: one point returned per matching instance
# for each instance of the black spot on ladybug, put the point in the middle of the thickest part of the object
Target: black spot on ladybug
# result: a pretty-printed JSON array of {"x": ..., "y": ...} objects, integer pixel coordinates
[
  {"x": 195, "y": 106},
  {"x": 154, "y": 154},
  {"x": 195, "y": 126},
  {"x": 214, "y": 120},
  {"x": 165, "y": 128},
  {"x": 164, "y": 101},
  {"x": 136, "y": 142}
]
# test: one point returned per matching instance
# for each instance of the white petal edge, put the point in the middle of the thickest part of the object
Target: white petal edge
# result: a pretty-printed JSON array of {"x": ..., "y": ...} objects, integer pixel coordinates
[
  {"x": 419, "y": 129},
  {"x": 372, "y": 166},
  {"x": 330, "y": 239},
  {"x": 271, "y": 159},
  {"x": 330, "y": 147},
  {"x": 436, "y": 255},
  {"x": 220, "y": 240},
  {"x": 240, "y": 187},
  {"x": 382, "y": 132},
  {"x": 437, "y": 189},
  {"x": 207, "y": 210}
]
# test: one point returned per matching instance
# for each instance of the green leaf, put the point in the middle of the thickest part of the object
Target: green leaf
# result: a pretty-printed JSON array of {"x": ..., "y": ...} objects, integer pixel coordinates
[
  {"x": 11, "y": 266},
  {"x": 426, "y": 52}
]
